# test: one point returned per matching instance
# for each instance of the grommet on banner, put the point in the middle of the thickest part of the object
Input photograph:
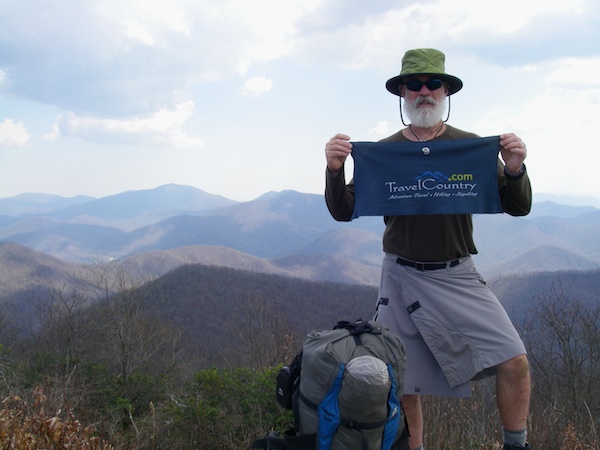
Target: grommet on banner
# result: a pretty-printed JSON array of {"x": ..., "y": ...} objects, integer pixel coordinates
[{"x": 426, "y": 150}]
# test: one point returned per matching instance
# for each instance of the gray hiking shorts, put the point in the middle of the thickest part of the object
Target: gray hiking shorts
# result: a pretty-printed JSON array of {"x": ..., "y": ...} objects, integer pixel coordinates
[{"x": 453, "y": 327}]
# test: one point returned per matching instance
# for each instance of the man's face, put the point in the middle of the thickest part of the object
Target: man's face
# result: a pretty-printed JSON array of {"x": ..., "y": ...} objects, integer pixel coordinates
[{"x": 425, "y": 106}]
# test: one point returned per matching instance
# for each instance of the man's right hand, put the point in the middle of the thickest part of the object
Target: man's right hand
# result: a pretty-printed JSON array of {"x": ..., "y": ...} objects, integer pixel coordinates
[{"x": 337, "y": 150}]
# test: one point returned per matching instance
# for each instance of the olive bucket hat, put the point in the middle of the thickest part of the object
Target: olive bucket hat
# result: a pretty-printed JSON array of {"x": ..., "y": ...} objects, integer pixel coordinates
[{"x": 423, "y": 61}]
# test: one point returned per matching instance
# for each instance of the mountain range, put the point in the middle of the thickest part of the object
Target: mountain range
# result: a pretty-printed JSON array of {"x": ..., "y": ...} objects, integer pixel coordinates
[{"x": 285, "y": 233}]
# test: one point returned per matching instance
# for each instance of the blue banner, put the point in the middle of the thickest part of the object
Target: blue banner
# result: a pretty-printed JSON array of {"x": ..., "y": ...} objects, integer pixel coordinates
[{"x": 433, "y": 177}]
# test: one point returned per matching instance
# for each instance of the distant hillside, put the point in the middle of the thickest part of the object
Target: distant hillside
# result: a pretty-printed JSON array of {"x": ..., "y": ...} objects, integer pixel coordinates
[
  {"x": 26, "y": 274},
  {"x": 537, "y": 244},
  {"x": 517, "y": 292},
  {"x": 24, "y": 204},
  {"x": 554, "y": 209},
  {"x": 288, "y": 233},
  {"x": 159, "y": 262},
  {"x": 567, "y": 200},
  {"x": 128, "y": 210},
  {"x": 215, "y": 307},
  {"x": 306, "y": 266}
]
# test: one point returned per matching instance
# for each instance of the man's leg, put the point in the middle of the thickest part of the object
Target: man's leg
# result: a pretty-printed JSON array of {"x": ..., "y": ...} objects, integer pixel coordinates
[
  {"x": 513, "y": 388},
  {"x": 414, "y": 417}
]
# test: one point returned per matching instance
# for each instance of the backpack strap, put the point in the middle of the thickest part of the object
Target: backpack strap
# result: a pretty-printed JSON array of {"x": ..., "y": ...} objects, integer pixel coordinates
[
  {"x": 357, "y": 328},
  {"x": 347, "y": 423},
  {"x": 395, "y": 412},
  {"x": 329, "y": 412},
  {"x": 297, "y": 395}
]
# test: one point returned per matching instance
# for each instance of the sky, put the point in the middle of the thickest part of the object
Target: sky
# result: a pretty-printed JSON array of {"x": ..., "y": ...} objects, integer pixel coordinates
[{"x": 239, "y": 97}]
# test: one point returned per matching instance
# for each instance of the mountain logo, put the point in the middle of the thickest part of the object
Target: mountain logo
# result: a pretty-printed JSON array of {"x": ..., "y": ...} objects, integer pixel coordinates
[{"x": 435, "y": 175}]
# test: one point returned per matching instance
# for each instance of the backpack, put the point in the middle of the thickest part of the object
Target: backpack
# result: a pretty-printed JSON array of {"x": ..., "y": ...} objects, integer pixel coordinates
[{"x": 344, "y": 387}]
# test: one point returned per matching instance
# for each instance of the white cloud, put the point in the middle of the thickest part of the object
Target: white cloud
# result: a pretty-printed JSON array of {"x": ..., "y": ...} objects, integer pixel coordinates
[
  {"x": 268, "y": 36},
  {"x": 257, "y": 86},
  {"x": 498, "y": 17},
  {"x": 13, "y": 134},
  {"x": 83, "y": 59},
  {"x": 380, "y": 130},
  {"x": 137, "y": 31},
  {"x": 489, "y": 29},
  {"x": 155, "y": 15},
  {"x": 163, "y": 127},
  {"x": 54, "y": 134},
  {"x": 575, "y": 72}
]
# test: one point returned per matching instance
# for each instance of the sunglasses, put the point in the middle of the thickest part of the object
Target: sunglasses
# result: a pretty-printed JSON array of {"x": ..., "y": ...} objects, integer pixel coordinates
[{"x": 431, "y": 84}]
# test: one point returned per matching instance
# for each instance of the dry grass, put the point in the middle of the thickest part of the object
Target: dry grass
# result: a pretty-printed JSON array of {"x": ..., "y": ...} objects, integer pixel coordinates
[
  {"x": 25, "y": 426},
  {"x": 474, "y": 423}
]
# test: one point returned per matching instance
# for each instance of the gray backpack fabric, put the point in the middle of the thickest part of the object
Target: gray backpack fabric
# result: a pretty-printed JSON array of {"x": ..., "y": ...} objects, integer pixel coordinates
[{"x": 349, "y": 389}]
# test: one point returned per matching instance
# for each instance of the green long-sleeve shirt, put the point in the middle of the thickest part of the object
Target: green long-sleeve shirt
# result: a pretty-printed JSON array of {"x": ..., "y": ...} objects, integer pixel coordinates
[{"x": 436, "y": 237}]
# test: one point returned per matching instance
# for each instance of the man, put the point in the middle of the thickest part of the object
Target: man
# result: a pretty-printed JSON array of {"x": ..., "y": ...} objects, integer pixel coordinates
[{"x": 430, "y": 294}]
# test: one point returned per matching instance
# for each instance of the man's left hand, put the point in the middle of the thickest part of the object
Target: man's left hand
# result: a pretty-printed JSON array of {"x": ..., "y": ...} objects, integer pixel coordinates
[{"x": 513, "y": 151}]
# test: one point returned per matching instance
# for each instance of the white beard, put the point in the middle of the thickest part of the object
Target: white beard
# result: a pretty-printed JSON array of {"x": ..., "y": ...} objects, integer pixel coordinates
[{"x": 424, "y": 117}]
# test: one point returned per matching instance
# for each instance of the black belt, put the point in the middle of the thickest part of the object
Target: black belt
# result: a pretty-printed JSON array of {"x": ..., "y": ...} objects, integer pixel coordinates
[{"x": 427, "y": 266}]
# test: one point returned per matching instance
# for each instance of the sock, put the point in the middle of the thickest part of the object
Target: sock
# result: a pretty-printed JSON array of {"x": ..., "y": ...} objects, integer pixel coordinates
[{"x": 515, "y": 437}]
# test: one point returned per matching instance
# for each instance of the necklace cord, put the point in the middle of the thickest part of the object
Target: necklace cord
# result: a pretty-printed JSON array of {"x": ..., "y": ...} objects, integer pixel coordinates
[{"x": 419, "y": 137}]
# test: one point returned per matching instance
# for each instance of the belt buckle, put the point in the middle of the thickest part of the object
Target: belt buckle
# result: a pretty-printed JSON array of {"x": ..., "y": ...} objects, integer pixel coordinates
[{"x": 421, "y": 266}]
